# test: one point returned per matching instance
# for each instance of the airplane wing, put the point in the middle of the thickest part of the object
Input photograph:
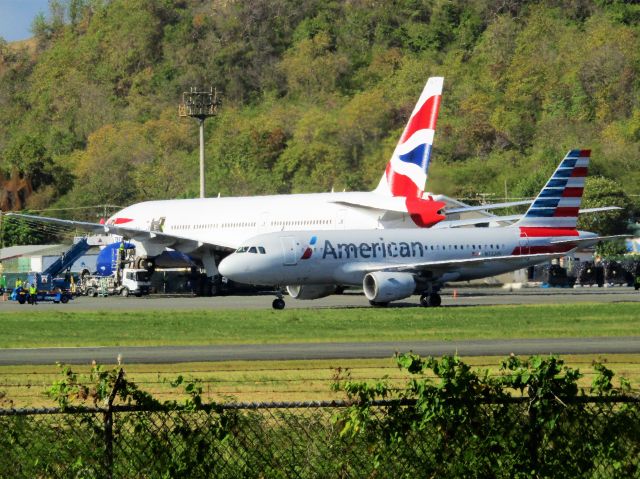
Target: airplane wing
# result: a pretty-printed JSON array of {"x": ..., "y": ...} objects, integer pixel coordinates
[
  {"x": 438, "y": 268},
  {"x": 492, "y": 206},
  {"x": 156, "y": 237}
]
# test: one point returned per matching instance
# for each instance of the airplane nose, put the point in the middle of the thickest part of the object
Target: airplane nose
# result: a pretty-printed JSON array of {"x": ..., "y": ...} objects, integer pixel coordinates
[{"x": 229, "y": 267}]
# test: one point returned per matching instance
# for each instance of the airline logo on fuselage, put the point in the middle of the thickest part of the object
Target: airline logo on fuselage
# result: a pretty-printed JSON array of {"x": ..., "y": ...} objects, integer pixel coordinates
[
  {"x": 309, "y": 250},
  {"x": 391, "y": 249}
]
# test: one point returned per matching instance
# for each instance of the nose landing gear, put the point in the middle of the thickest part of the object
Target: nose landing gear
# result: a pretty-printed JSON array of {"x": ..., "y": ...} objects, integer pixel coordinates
[{"x": 278, "y": 303}]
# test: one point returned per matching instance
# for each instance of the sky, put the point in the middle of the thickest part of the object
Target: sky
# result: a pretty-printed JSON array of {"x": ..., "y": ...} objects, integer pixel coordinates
[{"x": 16, "y": 17}]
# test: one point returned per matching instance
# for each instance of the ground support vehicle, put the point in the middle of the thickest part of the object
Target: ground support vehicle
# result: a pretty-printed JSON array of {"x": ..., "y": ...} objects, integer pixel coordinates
[
  {"x": 134, "y": 281},
  {"x": 55, "y": 295}
]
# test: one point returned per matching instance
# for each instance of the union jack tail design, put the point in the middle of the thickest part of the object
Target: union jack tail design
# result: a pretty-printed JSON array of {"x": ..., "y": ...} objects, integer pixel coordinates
[
  {"x": 555, "y": 211},
  {"x": 406, "y": 172}
]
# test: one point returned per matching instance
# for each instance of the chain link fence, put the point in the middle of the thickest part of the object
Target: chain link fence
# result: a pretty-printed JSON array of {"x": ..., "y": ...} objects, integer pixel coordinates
[{"x": 582, "y": 437}]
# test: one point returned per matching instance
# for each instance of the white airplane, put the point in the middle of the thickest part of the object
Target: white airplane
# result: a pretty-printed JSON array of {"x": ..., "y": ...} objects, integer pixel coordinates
[
  {"x": 208, "y": 229},
  {"x": 393, "y": 264}
]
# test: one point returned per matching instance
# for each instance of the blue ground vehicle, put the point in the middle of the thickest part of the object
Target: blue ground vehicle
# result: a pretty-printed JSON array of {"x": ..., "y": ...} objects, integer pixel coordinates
[
  {"x": 56, "y": 290},
  {"x": 49, "y": 286}
]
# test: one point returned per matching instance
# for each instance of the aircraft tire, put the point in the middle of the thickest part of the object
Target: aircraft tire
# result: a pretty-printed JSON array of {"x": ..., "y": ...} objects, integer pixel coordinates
[
  {"x": 435, "y": 300},
  {"x": 278, "y": 303}
]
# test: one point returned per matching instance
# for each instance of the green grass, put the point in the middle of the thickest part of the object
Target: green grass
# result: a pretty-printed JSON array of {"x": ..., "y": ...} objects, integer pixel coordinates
[{"x": 101, "y": 328}]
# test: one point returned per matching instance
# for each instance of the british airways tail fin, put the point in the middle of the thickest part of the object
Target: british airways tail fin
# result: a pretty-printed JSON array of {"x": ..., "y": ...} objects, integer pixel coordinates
[
  {"x": 555, "y": 209},
  {"x": 406, "y": 172}
]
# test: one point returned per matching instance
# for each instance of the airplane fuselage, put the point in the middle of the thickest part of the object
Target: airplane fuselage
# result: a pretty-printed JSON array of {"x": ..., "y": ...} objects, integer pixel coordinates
[
  {"x": 229, "y": 221},
  {"x": 344, "y": 257}
]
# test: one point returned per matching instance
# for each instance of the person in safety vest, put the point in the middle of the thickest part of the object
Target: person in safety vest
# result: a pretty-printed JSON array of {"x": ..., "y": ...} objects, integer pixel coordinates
[{"x": 33, "y": 294}]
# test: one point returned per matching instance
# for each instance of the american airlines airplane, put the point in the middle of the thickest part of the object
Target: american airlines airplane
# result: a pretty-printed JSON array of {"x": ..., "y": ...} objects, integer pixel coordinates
[
  {"x": 393, "y": 264},
  {"x": 208, "y": 229}
]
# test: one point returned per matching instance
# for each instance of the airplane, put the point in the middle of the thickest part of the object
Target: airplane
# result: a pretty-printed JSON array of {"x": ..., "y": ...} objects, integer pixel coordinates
[
  {"x": 208, "y": 229},
  {"x": 392, "y": 264}
]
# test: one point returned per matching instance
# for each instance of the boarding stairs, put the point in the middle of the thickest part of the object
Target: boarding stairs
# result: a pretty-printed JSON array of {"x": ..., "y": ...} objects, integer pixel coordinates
[{"x": 67, "y": 259}]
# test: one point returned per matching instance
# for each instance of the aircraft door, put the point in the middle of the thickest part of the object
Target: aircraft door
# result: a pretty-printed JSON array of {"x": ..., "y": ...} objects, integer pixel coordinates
[
  {"x": 289, "y": 257},
  {"x": 340, "y": 219},
  {"x": 523, "y": 244}
]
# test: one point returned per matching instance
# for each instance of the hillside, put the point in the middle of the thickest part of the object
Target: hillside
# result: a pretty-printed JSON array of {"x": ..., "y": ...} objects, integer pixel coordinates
[{"x": 315, "y": 95}]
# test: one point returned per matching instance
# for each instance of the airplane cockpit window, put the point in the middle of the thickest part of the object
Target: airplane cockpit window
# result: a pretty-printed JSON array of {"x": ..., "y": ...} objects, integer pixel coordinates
[
  {"x": 261, "y": 250},
  {"x": 253, "y": 250},
  {"x": 242, "y": 249}
]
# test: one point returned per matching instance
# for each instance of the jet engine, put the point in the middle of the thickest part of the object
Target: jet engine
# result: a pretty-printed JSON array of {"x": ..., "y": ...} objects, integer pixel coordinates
[
  {"x": 383, "y": 286},
  {"x": 310, "y": 291}
]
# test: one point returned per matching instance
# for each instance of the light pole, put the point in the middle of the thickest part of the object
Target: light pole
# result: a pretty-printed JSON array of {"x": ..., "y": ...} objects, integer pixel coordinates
[{"x": 199, "y": 105}]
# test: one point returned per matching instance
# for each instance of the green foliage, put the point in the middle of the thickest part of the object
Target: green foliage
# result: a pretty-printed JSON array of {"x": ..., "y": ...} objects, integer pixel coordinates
[
  {"x": 599, "y": 192},
  {"x": 316, "y": 94},
  {"x": 449, "y": 402},
  {"x": 17, "y": 231},
  {"x": 102, "y": 387}
]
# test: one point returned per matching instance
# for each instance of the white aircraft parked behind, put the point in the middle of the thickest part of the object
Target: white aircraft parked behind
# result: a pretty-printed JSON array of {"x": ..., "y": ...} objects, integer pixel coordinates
[{"x": 393, "y": 264}]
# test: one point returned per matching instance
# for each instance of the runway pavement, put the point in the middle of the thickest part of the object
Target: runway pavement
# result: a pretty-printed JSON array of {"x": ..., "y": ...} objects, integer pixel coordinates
[
  {"x": 464, "y": 296},
  {"x": 301, "y": 351}
]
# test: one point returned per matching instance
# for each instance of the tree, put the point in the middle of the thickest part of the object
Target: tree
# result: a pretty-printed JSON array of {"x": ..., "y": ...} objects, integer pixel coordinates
[{"x": 599, "y": 192}]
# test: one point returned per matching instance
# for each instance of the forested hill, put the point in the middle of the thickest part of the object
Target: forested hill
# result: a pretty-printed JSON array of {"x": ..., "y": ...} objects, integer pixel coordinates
[{"x": 315, "y": 95}]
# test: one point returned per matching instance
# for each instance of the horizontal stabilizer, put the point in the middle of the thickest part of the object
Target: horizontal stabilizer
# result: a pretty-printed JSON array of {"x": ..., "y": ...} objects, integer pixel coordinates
[
  {"x": 591, "y": 240},
  {"x": 510, "y": 218},
  {"x": 493, "y": 206}
]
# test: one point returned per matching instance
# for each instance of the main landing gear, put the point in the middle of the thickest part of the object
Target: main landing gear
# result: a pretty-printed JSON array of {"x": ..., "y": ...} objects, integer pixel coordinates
[{"x": 430, "y": 300}]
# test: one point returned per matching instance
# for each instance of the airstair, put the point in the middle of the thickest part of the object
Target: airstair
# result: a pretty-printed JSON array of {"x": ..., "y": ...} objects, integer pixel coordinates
[{"x": 67, "y": 259}]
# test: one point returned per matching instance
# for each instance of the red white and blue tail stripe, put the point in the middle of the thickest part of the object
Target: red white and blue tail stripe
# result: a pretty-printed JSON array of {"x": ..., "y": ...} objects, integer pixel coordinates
[
  {"x": 406, "y": 172},
  {"x": 555, "y": 211}
]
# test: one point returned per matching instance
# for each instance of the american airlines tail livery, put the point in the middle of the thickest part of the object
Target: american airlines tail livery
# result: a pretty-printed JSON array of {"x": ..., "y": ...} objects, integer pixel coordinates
[{"x": 393, "y": 264}]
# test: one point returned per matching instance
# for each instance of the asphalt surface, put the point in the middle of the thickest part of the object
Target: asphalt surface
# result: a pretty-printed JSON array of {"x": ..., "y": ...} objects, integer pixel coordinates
[
  {"x": 463, "y": 297},
  {"x": 262, "y": 352}
]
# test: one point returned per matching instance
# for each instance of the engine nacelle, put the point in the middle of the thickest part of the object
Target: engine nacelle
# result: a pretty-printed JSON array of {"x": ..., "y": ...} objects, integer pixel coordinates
[
  {"x": 384, "y": 286},
  {"x": 310, "y": 291}
]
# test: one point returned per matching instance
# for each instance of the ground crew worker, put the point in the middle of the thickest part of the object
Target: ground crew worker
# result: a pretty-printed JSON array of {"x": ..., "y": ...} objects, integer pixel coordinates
[
  {"x": 18, "y": 283},
  {"x": 33, "y": 294},
  {"x": 3, "y": 287}
]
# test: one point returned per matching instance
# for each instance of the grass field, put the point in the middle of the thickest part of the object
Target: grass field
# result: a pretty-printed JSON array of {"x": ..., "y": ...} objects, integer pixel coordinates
[
  {"x": 245, "y": 381},
  {"x": 102, "y": 328},
  {"x": 22, "y": 386}
]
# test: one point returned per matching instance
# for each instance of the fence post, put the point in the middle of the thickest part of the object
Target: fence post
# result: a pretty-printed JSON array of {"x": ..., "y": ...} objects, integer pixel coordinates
[
  {"x": 534, "y": 437},
  {"x": 108, "y": 426}
]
